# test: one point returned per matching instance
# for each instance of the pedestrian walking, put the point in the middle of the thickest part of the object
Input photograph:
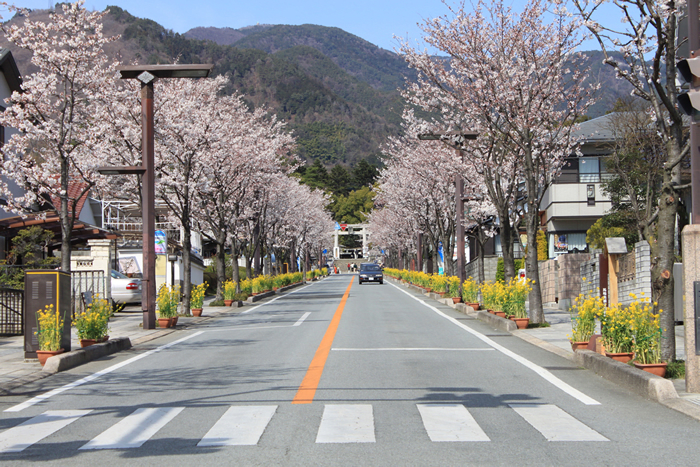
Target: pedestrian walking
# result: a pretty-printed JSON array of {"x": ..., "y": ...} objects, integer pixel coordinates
[{"x": 348, "y": 267}]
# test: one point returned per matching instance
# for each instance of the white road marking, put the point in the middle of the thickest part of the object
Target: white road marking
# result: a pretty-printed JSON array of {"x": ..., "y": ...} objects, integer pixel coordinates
[
  {"x": 555, "y": 424},
  {"x": 546, "y": 375},
  {"x": 275, "y": 299},
  {"x": 240, "y": 426},
  {"x": 87, "y": 379},
  {"x": 302, "y": 319},
  {"x": 346, "y": 424},
  {"x": 450, "y": 422},
  {"x": 135, "y": 429},
  {"x": 35, "y": 429},
  {"x": 412, "y": 349},
  {"x": 245, "y": 328}
]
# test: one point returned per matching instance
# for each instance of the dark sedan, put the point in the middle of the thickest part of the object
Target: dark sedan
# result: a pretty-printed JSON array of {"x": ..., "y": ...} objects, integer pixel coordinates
[{"x": 370, "y": 272}]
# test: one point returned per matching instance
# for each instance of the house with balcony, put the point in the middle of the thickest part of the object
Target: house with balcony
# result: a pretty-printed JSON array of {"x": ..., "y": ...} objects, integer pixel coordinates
[{"x": 575, "y": 200}]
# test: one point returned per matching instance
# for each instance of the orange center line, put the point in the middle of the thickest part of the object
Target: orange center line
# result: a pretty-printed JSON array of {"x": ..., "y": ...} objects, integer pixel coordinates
[{"x": 307, "y": 389}]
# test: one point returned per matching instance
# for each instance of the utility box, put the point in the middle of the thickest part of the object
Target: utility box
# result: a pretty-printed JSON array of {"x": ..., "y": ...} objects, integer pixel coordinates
[{"x": 45, "y": 287}]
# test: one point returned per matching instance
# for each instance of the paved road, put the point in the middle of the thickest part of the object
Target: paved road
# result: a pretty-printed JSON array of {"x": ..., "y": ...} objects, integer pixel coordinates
[{"x": 340, "y": 374}]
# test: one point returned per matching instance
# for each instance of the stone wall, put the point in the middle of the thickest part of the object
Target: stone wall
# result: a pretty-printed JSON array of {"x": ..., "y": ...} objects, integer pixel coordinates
[
  {"x": 590, "y": 270},
  {"x": 548, "y": 280},
  {"x": 569, "y": 277}
]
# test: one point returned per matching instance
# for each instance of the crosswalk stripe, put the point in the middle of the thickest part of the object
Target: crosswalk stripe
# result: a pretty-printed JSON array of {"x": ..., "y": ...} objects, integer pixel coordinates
[
  {"x": 346, "y": 424},
  {"x": 34, "y": 430},
  {"x": 450, "y": 422},
  {"x": 135, "y": 429},
  {"x": 239, "y": 426},
  {"x": 555, "y": 424}
]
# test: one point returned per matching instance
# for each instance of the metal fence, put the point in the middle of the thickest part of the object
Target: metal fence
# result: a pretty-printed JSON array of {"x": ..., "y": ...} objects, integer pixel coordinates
[
  {"x": 82, "y": 282},
  {"x": 11, "y": 312}
]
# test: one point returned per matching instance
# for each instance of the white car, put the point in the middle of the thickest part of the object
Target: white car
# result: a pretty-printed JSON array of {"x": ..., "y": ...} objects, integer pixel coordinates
[{"x": 125, "y": 289}]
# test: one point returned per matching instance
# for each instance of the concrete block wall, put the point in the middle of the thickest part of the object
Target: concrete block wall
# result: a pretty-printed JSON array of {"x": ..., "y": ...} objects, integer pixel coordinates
[
  {"x": 642, "y": 275},
  {"x": 490, "y": 267}
]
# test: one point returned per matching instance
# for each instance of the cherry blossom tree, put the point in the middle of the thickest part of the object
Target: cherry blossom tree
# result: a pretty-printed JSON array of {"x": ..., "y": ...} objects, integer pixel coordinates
[
  {"x": 53, "y": 155},
  {"x": 511, "y": 74},
  {"x": 250, "y": 151},
  {"x": 187, "y": 128},
  {"x": 647, "y": 44}
]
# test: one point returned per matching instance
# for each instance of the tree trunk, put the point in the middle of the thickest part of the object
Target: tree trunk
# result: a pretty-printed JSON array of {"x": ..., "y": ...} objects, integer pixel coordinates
[
  {"x": 66, "y": 221},
  {"x": 663, "y": 257},
  {"x": 507, "y": 233},
  {"x": 481, "y": 241},
  {"x": 532, "y": 221},
  {"x": 220, "y": 267}
]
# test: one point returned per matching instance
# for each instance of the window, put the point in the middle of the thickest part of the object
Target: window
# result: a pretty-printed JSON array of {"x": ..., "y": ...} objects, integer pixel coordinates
[
  {"x": 583, "y": 170},
  {"x": 589, "y": 170},
  {"x": 569, "y": 171}
]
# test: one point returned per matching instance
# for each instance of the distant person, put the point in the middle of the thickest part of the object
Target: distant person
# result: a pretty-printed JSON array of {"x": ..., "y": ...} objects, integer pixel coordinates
[{"x": 348, "y": 267}]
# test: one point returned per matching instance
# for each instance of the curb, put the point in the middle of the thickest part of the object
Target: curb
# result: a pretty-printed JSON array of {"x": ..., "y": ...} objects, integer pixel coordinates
[
  {"x": 70, "y": 360},
  {"x": 502, "y": 324},
  {"x": 640, "y": 382}
]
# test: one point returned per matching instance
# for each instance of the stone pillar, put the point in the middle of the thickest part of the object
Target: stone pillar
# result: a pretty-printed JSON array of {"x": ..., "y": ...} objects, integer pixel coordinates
[
  {"x": 102, "y": 260},
  {"x": 336, "y": 251},
  {"x": 691, "y": 273}
]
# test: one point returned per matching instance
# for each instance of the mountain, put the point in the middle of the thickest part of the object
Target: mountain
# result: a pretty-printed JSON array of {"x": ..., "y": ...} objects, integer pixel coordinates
[
  {"x": 380, "y": 68},
  {"x": 337, "y": 92}
]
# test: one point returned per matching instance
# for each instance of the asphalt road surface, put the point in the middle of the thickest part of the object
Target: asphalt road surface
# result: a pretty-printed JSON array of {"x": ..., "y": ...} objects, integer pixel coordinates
[{"x": 339, "y": 374}]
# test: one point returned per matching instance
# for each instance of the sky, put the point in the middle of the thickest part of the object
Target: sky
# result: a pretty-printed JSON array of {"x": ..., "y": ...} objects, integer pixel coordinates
[{"x": 376, "y": 21}]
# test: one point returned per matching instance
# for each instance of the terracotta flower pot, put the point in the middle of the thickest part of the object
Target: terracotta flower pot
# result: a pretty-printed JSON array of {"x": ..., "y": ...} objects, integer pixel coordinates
[
  {"x": 521, "y": 322},
  {"x": 456, "y": 300},
  {"x": 198, "y": 311},
  {"x": 500, "y": 314},
  {"x": 44, "y": 355},
  {"x": 658, "y": 369},
  {"x": 623, "y": 357},
  {"x": 575, "y": 345},
  {"x": 475, "y": 306},
  {"x": 164, "y": 322},
  {"x": 228, "y": 302},
  {"x": 173, "y": 321},
  {"x": 89, "y": 342}
]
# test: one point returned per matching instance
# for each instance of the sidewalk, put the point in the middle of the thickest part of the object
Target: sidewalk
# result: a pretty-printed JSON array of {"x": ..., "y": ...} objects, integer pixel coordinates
[{"x": 15, "y": 371}]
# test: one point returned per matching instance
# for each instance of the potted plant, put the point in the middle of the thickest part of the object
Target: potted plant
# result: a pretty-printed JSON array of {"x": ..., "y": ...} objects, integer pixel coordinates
[
  {"x": 92, "y": 324},
  {"x": 583, "y": 314},
  {"x": 49, "y": 333},
  {"x": 167, "y": 301},
  {"x": 453, "y": 289},
  {"x": 513, "y": 296},
  {"x": 229, "y": 292},
  {"x": 647, "y": 338},
  {"x": 617, "y": 337},
  {"x": 197, "y": 298},
  {"x": 470, "y": 293}
]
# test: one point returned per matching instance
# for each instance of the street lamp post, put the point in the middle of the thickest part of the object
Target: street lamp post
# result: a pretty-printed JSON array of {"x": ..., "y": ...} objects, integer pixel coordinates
[
  {"x": 147, "y": 74},
  {"x": 456, "y": 139}
]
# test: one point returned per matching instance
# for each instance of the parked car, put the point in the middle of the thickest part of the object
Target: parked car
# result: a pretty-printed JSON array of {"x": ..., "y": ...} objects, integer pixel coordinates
[
  {"x": 125, "y": 289},
  {"x": 370, "y": 272}
]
